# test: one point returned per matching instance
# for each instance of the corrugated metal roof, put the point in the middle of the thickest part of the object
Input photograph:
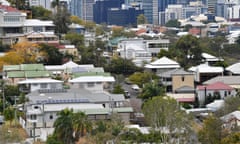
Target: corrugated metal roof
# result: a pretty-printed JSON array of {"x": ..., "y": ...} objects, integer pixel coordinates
[
  {"x": 215, "y": 86},
  {"x": 230, "y": 80}
]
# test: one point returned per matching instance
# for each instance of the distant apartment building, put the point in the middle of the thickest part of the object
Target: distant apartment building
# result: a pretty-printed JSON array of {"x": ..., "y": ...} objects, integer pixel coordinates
[
  {"x": 101, "y": 7},
  {"x": 44, "y": 3},
  {"x": 211, "y": 4},
  {"x": 124, "y": 16},
  {"x": 82, "y": 8},
  {"x": 224, "y": 8}
]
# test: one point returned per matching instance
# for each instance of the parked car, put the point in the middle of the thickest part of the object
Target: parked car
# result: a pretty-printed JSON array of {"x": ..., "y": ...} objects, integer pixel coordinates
[
  {"x": 135, "y": 87},
  {"x": 127, "y": 94},
  {"x": 1, "y": 120}
]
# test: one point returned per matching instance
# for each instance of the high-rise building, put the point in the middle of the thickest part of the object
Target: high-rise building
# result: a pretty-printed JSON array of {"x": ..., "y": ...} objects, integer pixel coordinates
[
  {"x": 101, "y": 7},
  {"x": 147, "y": 6},
  {"x": 44, "y": 3},
  {"x": 162, "y": 4},
  {"x": 211, "y": 4},
  {"x": 82, "y": 8},
  {"x": 126, "y": 16}
]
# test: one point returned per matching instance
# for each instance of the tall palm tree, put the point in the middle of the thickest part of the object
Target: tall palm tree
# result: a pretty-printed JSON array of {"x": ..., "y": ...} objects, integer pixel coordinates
[
  {"x": 81, "y": 124},
  {"x": 64, "y": 126}
]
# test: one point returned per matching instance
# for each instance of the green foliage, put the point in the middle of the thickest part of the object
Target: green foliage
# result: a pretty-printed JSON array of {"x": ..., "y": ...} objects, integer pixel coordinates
[
  {"x": 151, "y": 90},
  {"x": 69, "y": 126},
  {"x": 38, "y": 12},
  {"x": 121, "y": 66},
  {"x": 164, "y": 112},
  {"x": 140, "y": 78},
  {"x": 118, "y": 89},
  {"x": 10, "y": 91},
  {"x": 230, "y": 104},
  {"x": 233, "y": 138},
  {"x": 173, "y": 23},
  {"x": 165, "y": 53},
  {"x": 52, "y": 55},
  {"x": 189, "y": 51},
  {"x": 52, "y": 139},
  {"x": 211, "y": 133},
  {"x": 9, "y": 114},
  {"x": 61, "y": 21},
  {"x": 187, "y": 27},
  {"x": 75, "y": 39},
  {"x": 141, "y": 19},
  {"x": 4, "y": 47}
]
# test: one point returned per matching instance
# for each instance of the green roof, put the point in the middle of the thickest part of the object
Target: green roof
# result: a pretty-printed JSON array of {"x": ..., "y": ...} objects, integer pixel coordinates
[
  {"x": 16, "y": 74},
  {"x": 116, "y": 40},
  {"x": 32, "y": 67},
  {"x": 32, "y": 74},
  {"x": 11, "y": 67},
  {"x": 75, "y": 75},
  {"x": 106, "y": 110}
]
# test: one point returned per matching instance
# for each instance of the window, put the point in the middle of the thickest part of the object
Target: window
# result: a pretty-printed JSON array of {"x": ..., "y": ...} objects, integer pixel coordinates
[
  {"x": 36, "y": 107},
  {"x": 53, "y": 86},
  {"x": 90, "y": 84},
  {"x": 51, "y": 117},
  {"x": 183, "y": 78},
  {"x": 43, "y": 85},
  {"x": 33, "y": 117}
]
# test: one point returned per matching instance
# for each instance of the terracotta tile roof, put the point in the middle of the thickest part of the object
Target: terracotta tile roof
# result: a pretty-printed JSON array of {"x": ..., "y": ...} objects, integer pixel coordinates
[
  {"x": 8, "y": 8},
  {"x": 141, "y": 31},
  {"x": 215, "y": 86}
]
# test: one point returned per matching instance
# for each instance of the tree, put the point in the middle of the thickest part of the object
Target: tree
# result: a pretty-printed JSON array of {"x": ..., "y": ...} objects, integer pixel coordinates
[
  {"x": 211, "y": 133},
  {"x": 64, "y": 126},
  {"x": 28, "y": 51},
  {"x": 38, "y": 12},
  {"x": 81, "y": 125},
  {"x": 9, "y": 114},
  {"x": 51, "y": 55},
  {"x": 231, "y": 104},
  {"x": 189, "y": 49},
  {"x": 76, "y": 20},
  {"x": 164, "y": 114},
  {"x": 69, "y": 126},
  {"x": 61, "y": 20},
  {"x": 151, "y": 90},
  {"x": 233, "y": 138},
  {"x": 118, "y": 89},
  {"x": 121, "y": 66},
  {"x": 173, "y": 23},
  {"x": 140, "y": 78},
  {"x": 141, "y": 19},
  {"x": 75, "y": 39}
]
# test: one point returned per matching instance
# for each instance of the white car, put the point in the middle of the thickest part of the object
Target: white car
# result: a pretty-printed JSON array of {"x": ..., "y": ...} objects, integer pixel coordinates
[{"x": 135, "y": 87}]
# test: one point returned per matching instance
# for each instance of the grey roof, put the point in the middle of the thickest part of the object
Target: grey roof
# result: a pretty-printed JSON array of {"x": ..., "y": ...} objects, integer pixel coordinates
[
  {"x": 72, "y": 96},
  {"x": 185, "y": 89},
  {"x": 175, "y": 72},
  {"x": 230, "y": 80}
]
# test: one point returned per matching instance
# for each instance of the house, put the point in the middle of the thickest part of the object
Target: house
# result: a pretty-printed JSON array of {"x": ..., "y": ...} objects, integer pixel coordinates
[
  {"x": 210, "y": 59},
  {"x": 233, "y": 69},
  {"x": 12, "y": 74},
  {"x": 30, "y": 85},
  {"x": 69, "y": 49},
  {"x": 161, "y": 65},
  {"x": 44, "y": 104},
  {"x": 219, "y": 90},
  {"x": 231, "y": 120},
  {"x": 204, "y": 72},
  {"x": 40, "y": 37},
  {"x": 178, "y": 81},
  {"x": 141, "y": 51},
  {"x": 233, "y": 81}
]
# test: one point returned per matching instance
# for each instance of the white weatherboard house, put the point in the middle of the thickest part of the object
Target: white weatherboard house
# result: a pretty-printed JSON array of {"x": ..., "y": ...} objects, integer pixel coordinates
[
  {"x": 43, "y": 105},
  {"x": 30, "y": 85},
  {"x": 162, "y": 65},
  {"x": 233, "y": 69},
  {"x": 204, "y": 72}
]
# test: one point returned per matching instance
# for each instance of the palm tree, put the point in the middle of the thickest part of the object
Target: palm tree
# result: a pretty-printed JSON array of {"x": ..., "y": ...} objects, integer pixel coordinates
[
  {"x": 81, "y": 124},
  {"x": 64, "y": 126},
  {"x": 152, "y": 89}
]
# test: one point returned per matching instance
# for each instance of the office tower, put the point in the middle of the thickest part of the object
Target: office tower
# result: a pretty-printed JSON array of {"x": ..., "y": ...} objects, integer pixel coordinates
[
  {"x": 211, "y": 4},
  {"x": 147, "y": 6},
  {"x": 125, "y": 16},
  {"x": 44, "y": 3},
  {"x": 162, "y": 4},
  {"x": 82, "y": 8},
  {"x": 100, "y": 9}
]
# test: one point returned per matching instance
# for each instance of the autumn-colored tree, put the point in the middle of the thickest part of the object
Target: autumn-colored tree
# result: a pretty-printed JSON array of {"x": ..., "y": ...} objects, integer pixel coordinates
[
  {"x": 28, "y": 51},
  {"x": 76, "y": 20}
]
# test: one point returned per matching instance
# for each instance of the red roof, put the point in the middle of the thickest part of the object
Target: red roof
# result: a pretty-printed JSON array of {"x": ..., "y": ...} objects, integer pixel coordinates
[
  {"x": 185, "y": 99},
  {"x": 215, "y": 86},
  {"x": 8, "y": 8}
]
